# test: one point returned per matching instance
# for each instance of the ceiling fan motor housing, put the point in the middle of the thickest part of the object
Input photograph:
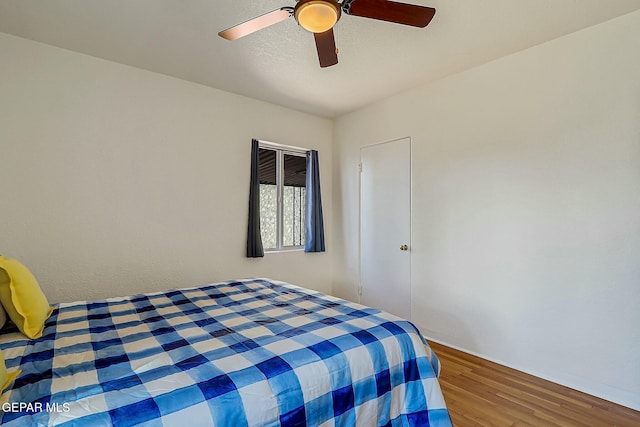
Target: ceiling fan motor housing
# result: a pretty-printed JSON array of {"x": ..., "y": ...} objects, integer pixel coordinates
[{"x": 317, "y": 16}]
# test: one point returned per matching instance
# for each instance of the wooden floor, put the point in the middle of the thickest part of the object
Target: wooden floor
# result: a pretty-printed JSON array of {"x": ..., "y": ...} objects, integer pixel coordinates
[{"x": 482, "y": 393}]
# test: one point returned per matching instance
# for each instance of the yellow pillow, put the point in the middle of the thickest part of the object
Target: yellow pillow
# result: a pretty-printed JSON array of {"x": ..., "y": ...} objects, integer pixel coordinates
[
  {"x": 5, "y": 378},
  {"x": 22, "y": 298}
]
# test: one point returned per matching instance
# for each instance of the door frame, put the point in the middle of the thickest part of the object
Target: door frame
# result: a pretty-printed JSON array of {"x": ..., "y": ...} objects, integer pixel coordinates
[{"x": 410, "y": 217}]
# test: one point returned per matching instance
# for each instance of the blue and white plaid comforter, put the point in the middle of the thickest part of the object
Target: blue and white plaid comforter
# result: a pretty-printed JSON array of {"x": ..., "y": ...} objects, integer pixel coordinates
[{"x": 245, "y": 353}]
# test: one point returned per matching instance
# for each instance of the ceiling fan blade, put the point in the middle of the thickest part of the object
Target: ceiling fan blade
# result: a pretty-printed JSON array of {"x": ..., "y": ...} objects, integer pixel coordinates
[
  {"x": 255, "y": 24},
  {"x": 391, "y": 11},
  {"x": 326, "y": 45}
]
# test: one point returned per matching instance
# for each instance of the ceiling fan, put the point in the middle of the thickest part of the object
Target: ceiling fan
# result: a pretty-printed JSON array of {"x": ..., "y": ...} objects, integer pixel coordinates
[{"x": 319, "y": 17}]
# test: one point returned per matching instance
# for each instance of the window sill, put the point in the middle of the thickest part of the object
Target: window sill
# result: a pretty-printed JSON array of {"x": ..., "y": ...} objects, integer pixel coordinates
[{"x": 288, "y": 249}]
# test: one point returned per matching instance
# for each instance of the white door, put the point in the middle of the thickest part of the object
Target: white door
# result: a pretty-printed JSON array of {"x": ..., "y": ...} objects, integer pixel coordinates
[{"x": 385, "y": 227}]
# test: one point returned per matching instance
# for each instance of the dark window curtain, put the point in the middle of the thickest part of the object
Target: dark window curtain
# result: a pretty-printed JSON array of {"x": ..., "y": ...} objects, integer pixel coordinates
[
  {"x": 314, "y": 222},
  {"x": 254, "y": 240}
]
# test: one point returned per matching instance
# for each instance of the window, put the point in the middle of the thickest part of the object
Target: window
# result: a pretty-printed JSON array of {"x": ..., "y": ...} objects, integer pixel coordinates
[
  {"x": 284, "y": 212},
  {"x": 283, "y": 176}
]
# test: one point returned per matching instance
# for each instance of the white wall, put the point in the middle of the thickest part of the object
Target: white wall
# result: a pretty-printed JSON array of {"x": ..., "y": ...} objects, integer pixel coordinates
[
  {"x": 115, "y": 180},
  {"x": 526, "y": 207}
]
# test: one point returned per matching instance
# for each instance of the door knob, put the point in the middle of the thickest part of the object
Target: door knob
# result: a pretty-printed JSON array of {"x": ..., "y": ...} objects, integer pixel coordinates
[{"x": 404, "y": 248}]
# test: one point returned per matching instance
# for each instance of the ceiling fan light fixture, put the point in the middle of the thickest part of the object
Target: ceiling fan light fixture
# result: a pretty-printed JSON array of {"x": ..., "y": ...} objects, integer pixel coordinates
[{"x": 317, "y": 16}]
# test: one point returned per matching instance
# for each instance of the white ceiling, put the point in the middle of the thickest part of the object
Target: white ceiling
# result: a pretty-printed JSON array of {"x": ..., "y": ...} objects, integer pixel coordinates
[{"x": 279, "y": 64}]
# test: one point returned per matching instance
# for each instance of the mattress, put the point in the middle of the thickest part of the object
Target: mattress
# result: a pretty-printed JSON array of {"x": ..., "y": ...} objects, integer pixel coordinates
[{"x": 253, "y": 352}]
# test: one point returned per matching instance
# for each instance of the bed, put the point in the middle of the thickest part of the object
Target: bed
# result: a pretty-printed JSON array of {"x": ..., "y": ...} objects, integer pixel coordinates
[{"x": 253, "y": 352}]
